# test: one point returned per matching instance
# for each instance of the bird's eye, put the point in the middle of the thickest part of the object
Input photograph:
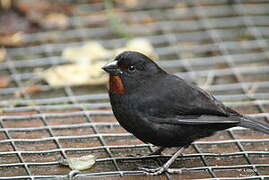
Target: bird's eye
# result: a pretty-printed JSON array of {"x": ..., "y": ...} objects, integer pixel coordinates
[{"x": 131, "y": 68}]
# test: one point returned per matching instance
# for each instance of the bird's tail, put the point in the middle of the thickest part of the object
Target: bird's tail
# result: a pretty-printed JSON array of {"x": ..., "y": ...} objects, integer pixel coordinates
[{"x": 254, "y": 124}]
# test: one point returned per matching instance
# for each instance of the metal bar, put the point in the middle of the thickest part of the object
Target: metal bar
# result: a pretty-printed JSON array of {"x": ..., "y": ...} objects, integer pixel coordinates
[
  {"x": 261, "y": 153},
  {"x": 82, "y": 98},
  {"x": 222, "y": 72}
]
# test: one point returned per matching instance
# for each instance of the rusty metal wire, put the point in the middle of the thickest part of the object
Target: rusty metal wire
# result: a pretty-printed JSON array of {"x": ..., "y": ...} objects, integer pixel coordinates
[{"x": 221, "y": 45}]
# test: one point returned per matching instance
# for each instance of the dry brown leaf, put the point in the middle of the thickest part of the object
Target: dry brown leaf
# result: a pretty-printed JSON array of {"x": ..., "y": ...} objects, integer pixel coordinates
[
  {"x": 86, "y": 69},
  {"x": 181, "y": 5},
  {"x": 79, "y": 163},
  {"x": 148, "y": 20},
  {"x": 15, "y": 39},
  {"x": 42, "y": 7},
  {"x": 3, "y": 53},
  {"x": 93, "y": 50},
  {"x": 75, "y": 74},
  {"x": 28, "y": 90},
  {"x": 55, "y": 20},
  {"x": 128, "y": 3},
  {"x": 90, "y": 51},
  {"x": 6, "y": 4},
  {"x": 4, "y": 81}
]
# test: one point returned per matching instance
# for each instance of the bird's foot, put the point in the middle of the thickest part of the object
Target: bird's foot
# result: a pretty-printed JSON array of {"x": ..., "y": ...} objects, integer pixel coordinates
[
  {"x": 160, "y": 170},
  {"x": 153, "y": 172},
  {"x": 157, "y": 151}
]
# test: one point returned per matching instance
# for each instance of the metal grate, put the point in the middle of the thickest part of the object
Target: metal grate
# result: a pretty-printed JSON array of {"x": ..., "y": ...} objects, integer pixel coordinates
[{"x": 221, "y": 45}]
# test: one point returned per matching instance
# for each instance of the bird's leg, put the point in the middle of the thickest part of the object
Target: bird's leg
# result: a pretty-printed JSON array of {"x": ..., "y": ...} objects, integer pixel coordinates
[
  {"x": 166, "y": 166},
  {"x": 157, "y": 151}
]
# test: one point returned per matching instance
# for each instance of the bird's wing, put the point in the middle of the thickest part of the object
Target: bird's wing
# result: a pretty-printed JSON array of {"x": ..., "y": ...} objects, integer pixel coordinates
[
  {"x": 195, "y": 120},
  {"x": 181, "y": 98}
]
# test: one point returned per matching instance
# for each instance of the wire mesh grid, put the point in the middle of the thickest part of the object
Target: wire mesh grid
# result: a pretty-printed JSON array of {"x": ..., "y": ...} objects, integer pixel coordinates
[{"x": 221, "y": 45}]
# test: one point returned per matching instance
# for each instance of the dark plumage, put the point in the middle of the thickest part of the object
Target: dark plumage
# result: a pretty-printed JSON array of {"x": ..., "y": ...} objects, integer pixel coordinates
[{"x": 163, "y": 109}]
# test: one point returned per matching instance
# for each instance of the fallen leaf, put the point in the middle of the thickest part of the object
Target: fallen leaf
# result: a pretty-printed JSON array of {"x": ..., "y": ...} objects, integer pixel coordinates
[
  {"x": 75, "y": 74},
  {"x": 4, "y": 81},
  {"x": 6, "y": 4},
  {"x": 43, "y": 7},
  {"x": 90, "y": 51},
  {"x": 28, "y": 90},
  {"x": 3, "y": 53},
  {"x": 15, "y": 39},
  {"x": 88, "y": 61},
  {"x": 128, "y": 3},
  {"x": 181, "y": 5},
  {"x": 55, "y": 20},
  {"x": 79, "y": 163},
  {"x": 148, "y": 20},
  {"x": 93, "y": 50}
]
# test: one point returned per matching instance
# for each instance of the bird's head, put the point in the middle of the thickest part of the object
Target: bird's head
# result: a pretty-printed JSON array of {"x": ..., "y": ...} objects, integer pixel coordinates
[{"x": 131, "y": 70}]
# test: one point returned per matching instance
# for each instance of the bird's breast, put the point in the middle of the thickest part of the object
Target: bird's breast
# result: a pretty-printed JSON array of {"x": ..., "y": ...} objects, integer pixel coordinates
[
  {"x": 136, "y": 122},
  {"x": 116, "y": 85}
]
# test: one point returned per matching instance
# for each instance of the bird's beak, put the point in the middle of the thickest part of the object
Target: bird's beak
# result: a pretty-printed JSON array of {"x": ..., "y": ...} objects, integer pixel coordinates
[{"x": 112, "y": 68}]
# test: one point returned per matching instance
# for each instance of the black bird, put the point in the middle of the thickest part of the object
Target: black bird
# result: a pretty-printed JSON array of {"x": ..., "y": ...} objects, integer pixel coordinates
[{"x": 165, "y": 110}]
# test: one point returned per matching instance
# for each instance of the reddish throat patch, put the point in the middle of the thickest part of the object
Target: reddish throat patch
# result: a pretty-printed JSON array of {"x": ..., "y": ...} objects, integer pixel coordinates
[{"x": 116, "y": 85}]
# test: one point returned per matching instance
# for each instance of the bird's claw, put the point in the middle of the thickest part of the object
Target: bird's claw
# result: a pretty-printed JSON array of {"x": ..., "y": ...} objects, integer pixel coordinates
[{"x": 153, "y": 172}]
